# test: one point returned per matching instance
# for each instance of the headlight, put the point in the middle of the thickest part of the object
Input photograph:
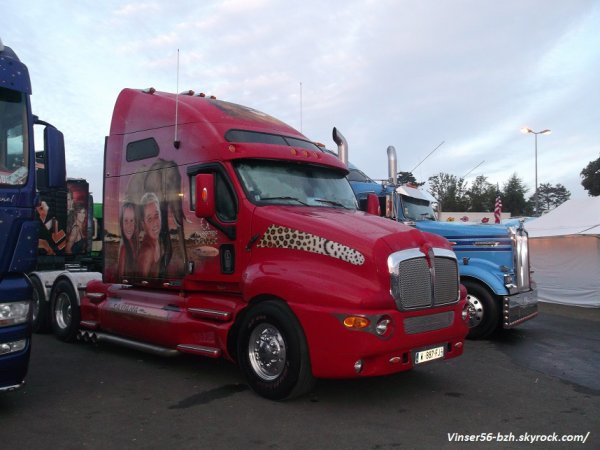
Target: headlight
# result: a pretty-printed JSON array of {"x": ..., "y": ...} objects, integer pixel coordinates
[{"x": 14, "y": 313}]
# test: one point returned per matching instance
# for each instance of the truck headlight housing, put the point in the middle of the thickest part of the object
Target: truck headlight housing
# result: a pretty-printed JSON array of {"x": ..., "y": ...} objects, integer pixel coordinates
[
  {"x": 12, "y": 347},
  {"x": 14, "y": 313}
]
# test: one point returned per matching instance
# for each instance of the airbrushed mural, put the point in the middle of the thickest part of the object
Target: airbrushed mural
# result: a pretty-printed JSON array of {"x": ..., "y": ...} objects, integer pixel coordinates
[
  {"x": 64, "y": 232},
  {"x": 150, "y": 237}
]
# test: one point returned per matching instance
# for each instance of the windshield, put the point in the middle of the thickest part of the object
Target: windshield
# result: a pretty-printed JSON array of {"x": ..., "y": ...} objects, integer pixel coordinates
[
  {"x": 285, "y": 183},
  {"x": 13, "y": 138},
  {"x": 416, "y": 209}
]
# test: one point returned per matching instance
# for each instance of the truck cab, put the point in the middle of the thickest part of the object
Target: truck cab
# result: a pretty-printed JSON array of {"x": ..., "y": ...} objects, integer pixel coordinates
[
  {"x": 18, "y": 199},
  {"x": 230, "y": 234}
]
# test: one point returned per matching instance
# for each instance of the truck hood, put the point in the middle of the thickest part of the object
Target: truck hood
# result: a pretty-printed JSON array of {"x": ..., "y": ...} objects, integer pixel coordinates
[
  {"x": 455, "y": 230},
  {"x": 353, "y": 232}
]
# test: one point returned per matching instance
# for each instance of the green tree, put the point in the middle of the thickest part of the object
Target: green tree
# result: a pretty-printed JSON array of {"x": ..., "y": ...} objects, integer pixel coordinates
[
  {"x": 591, "y": 178},
  {"x": 481, "y": 195},
  {"x": 549, "y": 196},
  {"x": 408, "y": 177},
  {"x": 450, "y": 192},
  {"x": 513, "y": 197}
]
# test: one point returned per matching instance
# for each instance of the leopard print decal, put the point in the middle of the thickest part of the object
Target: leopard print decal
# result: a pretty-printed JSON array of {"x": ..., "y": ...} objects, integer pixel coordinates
[{"x": 283, "y": 237}]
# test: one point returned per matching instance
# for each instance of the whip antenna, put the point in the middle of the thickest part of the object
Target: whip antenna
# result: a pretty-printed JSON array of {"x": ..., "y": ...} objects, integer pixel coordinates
[{"x": 176, "y": 142}]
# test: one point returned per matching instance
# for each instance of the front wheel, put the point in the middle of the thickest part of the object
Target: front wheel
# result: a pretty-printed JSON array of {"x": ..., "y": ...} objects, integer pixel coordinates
[
  {"x": 484, "y": 315},
  {"x": 64, "y": 311},
  {"x": 272, "y": 352}
]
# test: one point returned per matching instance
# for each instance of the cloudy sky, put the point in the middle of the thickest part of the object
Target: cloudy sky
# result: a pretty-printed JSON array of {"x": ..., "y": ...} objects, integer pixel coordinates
[{"x": 412, "y": 74}]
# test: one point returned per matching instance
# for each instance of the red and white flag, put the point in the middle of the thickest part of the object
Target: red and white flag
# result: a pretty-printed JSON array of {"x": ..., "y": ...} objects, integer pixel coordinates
[{"x": 498, "y": 208}]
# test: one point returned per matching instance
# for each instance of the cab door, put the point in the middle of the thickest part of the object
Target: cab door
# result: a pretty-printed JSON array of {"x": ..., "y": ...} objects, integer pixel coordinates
[{"x": 218, "y": 256}]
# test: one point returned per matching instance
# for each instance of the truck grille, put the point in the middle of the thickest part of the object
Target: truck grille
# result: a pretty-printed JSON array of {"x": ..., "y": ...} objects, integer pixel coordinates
[
  {"x": 521, "y": 258},
  {"x": 415, "y": 286}
]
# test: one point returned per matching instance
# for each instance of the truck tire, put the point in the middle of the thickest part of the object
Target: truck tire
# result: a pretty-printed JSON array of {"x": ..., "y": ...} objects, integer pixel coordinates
[
  {"x": 64, "y": 311},
  {"x": 484, "y": 315},
  {"x": 41, "y": 308},
  {"x": 272, "y": 352}
]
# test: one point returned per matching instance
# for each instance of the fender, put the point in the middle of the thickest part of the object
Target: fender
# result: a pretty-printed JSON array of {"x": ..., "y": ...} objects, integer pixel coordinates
[
  {"x": 485, "y": 272},
  {"x": 78, "y": 280}
]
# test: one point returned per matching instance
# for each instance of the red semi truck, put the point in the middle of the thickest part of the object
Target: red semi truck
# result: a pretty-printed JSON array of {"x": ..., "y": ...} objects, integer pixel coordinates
[{"x": 230, "y": 234}]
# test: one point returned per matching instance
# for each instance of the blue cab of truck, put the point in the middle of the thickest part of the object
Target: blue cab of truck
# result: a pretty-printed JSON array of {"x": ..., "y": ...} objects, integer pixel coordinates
[
  {"x": 18, "y": 224},
  {"x": 493, "y": 258}
]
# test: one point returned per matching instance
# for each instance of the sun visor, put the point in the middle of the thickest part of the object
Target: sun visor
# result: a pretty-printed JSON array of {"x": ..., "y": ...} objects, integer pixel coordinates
[{"x": 415, "y": 193}]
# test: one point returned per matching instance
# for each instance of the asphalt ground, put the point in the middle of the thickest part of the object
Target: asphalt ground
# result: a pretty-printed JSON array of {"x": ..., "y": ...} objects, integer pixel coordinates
[{"x": 540, "y": 379}]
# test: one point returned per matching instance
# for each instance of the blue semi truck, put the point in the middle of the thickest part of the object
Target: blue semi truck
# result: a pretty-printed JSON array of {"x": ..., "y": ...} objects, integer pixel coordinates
[
  {"x": 18, "y": 201},
  {"x": 493, "y": 259}
]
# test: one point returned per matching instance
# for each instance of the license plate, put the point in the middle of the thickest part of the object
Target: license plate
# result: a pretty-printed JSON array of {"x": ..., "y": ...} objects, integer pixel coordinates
[{"x": 429, "y": 355}]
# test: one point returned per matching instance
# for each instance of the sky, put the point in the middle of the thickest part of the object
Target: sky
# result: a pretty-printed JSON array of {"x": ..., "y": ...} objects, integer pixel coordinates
[{"x": 467, "y": 74}]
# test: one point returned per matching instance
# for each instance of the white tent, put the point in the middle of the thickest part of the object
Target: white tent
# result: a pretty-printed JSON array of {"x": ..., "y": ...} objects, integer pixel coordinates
[{"x": 565, "y": 253}]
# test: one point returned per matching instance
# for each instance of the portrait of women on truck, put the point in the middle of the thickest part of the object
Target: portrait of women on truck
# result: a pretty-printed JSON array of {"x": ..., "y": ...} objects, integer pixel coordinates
[
  {"x": 76, "y": 239},
  {"x": 130, "y": 244},
  {"x": 150, "y": 249}
]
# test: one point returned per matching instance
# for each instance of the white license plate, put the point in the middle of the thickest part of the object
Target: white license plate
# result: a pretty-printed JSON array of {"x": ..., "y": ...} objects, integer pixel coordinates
[{"x": 429, "y": 355}]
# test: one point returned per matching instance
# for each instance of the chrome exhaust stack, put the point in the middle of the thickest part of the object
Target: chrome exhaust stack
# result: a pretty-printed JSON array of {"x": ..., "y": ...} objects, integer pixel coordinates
[
  {"x": 392, "y": 165},
  {"x": 342, "y": 144}
]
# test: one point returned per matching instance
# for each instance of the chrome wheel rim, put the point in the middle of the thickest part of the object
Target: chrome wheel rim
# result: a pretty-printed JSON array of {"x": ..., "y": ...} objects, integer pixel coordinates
[
  {"x": 267, "y": 351},
  {"x": 63, "y": 311},
  {"x": 475, "y": 311}
]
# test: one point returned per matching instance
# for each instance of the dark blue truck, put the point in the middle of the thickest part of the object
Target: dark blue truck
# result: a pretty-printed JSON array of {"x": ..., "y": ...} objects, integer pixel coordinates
[
  {"x": 493, "y": 259},
  {"x": 18, "y": 201}
]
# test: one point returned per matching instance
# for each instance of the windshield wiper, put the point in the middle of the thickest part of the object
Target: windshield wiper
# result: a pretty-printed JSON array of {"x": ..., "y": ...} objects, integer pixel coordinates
[
  {"x": 330, "y": 202},
  {"x": 284, "y": 198}
]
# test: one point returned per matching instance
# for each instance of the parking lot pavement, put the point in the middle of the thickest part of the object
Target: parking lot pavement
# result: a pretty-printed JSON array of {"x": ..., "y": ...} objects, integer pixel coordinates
[
  {"x": 537, "y": 379},
  {"x": 562, "y": 342},
  {"x": 575, "y": 312}
]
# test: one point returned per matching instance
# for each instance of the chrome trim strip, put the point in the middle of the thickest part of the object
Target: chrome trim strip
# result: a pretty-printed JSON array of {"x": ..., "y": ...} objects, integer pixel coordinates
[
  {"x": 213, "y": 313},
  {"x": 444, "y": 253},
  {"x": 208, "y": 351}
]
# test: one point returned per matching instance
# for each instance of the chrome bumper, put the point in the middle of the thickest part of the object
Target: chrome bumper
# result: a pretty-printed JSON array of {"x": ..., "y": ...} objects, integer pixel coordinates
[{"x": 519, "y": 308}]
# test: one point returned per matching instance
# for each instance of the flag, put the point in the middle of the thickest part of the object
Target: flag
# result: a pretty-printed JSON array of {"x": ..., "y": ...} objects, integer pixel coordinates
[{"x": 498, "y": 208}]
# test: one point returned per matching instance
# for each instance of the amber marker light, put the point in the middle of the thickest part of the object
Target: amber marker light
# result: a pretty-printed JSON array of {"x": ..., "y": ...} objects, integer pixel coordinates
[
  {"x": 231, "y": 148},
  {"x": 356, "y": 322}
]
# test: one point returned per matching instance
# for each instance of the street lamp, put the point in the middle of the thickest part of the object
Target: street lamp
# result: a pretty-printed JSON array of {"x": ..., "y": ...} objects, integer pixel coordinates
[{"x": 526, "y": 130}]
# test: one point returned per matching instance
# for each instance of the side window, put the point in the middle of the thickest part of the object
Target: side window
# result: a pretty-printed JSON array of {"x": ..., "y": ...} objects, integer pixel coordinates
[
  {"x": 144, "y": 149},
  {"x": 226, "y": 204}
]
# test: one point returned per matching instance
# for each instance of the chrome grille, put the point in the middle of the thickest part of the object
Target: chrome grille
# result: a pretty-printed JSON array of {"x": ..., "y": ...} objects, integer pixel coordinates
[
  {"x": 415, "y": 286},
  {"x": 521, "y": 256},
  {"x": 446, "y": 276},
  {"x": 430, "y": 322}
]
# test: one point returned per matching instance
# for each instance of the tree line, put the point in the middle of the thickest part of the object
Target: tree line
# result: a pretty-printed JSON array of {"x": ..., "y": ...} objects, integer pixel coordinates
[{"x": 455, "y": 194}]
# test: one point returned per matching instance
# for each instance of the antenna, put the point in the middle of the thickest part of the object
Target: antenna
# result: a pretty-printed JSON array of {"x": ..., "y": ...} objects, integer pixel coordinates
[
  {"x": 413, "y": 169},
  {"x": 176, "y": 142},
  {"x": 465, "y": 175},
  {"x": 301, "y": 107}
]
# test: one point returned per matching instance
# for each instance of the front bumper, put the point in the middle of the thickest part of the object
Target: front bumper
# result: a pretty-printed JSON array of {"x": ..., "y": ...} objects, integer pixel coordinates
[
  {"x": 335, "y": 350},
  {"x": 519, "y": 308},
  {"x": 13, "y": 366}
]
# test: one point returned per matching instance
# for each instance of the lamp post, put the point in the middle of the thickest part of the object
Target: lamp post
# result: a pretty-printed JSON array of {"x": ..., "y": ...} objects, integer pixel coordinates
[{"x": 526, "y": 130}]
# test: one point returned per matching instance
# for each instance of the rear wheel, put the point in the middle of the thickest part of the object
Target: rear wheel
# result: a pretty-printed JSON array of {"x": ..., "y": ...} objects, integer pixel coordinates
[
  {"x": 41, "y": 308},
  {"x": 272, "y": 352},
  {"x": 484, "y": 314},
  {"x": 64, "y": 311}
]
